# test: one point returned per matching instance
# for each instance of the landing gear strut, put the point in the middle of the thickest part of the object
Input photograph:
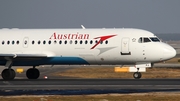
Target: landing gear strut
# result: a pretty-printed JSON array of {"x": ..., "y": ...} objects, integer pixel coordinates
[
  {"x": 137, "y": 75},
  {"x": 8, "y": 74},
  {"x": 32, "y": 73}
]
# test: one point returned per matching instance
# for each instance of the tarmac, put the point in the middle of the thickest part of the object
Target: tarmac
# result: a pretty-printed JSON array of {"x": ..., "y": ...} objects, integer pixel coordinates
[
  {"x": 80, "y": 84},
  {"x": 53, "y": 85}
]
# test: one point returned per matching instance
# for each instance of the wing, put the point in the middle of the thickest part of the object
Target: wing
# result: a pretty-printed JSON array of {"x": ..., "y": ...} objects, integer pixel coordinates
[{"x": 22, "y": 56}]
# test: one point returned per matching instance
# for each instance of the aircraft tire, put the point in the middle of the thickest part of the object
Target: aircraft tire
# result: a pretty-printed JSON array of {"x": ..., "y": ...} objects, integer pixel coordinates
[
  {"x": 32, "y": 73},
  {"x": 137, "y": 75},
  {"x": 8, "y": 74}
]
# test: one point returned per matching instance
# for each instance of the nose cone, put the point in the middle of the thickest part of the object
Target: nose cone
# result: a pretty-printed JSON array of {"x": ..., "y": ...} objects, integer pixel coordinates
[{"x": 169, "y": 52}]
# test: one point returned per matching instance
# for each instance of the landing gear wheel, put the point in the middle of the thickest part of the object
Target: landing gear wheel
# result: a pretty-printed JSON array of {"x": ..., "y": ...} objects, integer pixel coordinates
[
  {"x": 137, "y": 75},
  {"x": 32, "y": 73},
  {"x": 8, "y": 74}
]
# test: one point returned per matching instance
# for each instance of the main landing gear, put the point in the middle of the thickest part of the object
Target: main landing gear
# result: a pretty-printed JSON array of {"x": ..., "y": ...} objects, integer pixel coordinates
[
  {"x": 32, "y": 73},
  {"x": 9, "y": 74},
  {"x": 137, "y": 75}
]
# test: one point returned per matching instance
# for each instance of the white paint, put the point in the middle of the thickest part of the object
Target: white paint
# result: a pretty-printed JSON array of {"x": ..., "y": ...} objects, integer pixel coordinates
[{"x": 102, "y": 54}]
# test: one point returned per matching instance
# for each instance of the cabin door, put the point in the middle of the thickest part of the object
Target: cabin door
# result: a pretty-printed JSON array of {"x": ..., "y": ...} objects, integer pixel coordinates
[
  {"x": 125, "y": 46},
  {"x": 25, "y": 42}
]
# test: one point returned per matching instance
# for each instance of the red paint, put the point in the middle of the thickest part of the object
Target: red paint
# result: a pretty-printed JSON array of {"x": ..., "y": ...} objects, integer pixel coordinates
[
  {"x": 69, "y": 36},
  {"x": 102, "y": 38}
]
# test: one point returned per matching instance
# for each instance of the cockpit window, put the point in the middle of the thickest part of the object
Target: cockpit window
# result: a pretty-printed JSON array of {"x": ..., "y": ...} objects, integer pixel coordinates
[
  {"x": 147, "y": 40},
  {"x": 144, "y": 40},
  {"x": 154, "y": 39},
  {"x": 140, "y": 40}
]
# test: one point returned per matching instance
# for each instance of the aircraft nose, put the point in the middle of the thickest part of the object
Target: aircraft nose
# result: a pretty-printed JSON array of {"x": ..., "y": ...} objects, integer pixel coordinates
[{"x": 169, "y": 52}]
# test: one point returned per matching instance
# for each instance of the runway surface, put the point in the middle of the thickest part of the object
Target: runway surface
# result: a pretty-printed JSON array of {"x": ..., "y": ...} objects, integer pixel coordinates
[
  {"x": 62, "y": 84},
  {"x": 87, "y": 86},
  {"x": 56, "y": 85}
]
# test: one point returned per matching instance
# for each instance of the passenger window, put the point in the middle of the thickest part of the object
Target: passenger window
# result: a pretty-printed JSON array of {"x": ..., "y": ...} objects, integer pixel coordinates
[
  {"x": 25, "y": 42},
  {"x": 81, "y": 42},
  {"x": 39, "y": 42},
  {"x": 106, "y": 42},
  {"x": 3, "y": 42},
  {"x": 8, "y": 42},
  {"x": 75, "y": 42},
  {"x": 101, "y": 42},
  {"x": 17, "y": 42},
  {"x": 55, "y": 42},
  {"x": 70, "y": 42},
  {"x": 33, "y": 42},
  {"x": 91, "y": 42},
  {"x": 49, "y": 42},
  {"x": 44, "y": 42},
  {"x": 65, "y": 42},
  {"x": 86, "y": 42},
  {"x": 13, "y": 42},
  {"x": 60, "y": 42}
]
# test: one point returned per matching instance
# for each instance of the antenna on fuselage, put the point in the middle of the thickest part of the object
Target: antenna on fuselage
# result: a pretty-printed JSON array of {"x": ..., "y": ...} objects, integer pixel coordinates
[{"x": 83, "y": 27}]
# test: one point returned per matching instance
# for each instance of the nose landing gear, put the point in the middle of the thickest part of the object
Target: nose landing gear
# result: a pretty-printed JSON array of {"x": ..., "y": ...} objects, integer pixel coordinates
[{"x": 137, "y": 75}]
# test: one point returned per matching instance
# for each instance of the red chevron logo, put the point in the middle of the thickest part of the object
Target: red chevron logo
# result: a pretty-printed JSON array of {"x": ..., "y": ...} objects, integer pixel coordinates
[{"x": 102, "y": 38}]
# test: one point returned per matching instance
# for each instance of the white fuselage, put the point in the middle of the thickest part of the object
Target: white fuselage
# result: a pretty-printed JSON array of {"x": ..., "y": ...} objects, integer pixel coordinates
[{"x": 82, "y": 46}]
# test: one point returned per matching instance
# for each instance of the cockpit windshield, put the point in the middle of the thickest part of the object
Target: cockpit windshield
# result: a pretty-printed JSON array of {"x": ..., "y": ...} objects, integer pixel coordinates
[
  {"x": 146, "y": 39},
  {"x": 154, "y": 39}
]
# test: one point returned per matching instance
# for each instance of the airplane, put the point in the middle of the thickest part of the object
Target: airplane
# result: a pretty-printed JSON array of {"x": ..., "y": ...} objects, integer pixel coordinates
[{"x": 112, "y": 46}]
